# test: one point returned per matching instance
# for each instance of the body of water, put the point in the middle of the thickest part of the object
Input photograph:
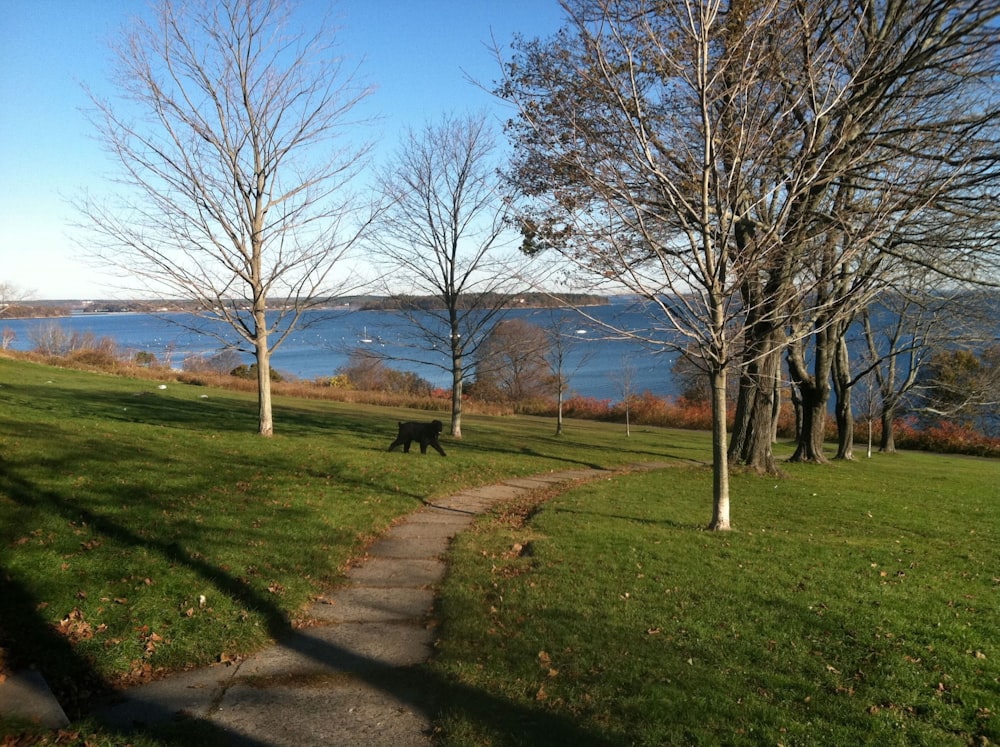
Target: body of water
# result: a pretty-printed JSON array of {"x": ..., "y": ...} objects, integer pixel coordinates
[{"x": 595, "y": 365}]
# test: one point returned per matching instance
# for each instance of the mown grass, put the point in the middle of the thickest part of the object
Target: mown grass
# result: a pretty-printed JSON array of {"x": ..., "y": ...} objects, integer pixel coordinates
[
  {"x": 146, "y": 529},
  {"x": 856, "y": 603}
]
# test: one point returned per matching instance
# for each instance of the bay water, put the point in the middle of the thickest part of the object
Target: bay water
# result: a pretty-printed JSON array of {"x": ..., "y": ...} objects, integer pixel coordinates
[{"x": 597, "y": 365}]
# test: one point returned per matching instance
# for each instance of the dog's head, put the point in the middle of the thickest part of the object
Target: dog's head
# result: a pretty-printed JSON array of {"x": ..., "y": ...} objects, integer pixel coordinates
[{"x": 437, "y": 425}]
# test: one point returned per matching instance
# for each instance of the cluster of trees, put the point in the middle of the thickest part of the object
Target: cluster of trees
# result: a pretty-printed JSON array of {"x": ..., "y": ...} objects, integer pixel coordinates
[{"x": 759, "y": 171}]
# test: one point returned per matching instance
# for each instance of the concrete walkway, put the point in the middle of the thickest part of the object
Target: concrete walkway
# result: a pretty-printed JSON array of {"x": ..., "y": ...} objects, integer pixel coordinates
[{"x": 353, "y": 677}]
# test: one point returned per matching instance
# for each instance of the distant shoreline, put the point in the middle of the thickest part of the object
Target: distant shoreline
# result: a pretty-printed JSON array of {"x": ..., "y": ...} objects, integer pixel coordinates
[{"x": 79, "y": 307}]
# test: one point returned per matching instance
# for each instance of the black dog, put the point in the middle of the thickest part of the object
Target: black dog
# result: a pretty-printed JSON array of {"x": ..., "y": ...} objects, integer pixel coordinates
[{"x": 425, "y": 433}]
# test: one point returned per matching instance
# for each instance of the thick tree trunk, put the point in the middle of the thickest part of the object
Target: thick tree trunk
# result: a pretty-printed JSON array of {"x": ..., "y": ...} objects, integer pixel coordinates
[
  {"x": 776, "y": 410},
  {"x": 797, "y": 410},
  {"x": 887, "y": 443},
  {"x": 810, "y": 445},
  {"x": 814, "y": 390},
  {"x": 751, "y": 441},
  {"x": 720, "y": 460}
]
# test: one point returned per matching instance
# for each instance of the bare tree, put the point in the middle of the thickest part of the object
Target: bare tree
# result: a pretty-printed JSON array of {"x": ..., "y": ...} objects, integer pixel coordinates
[
  {"x": 563, "y": 365},
  {"x": 442, "y": 236},
  {"x": 625, "y": 379},
  {"x": 866, "y": 391},
  {"x": 641, "y": 134},
  {"x": 891, "y": 160},
  {"x": 234, "y": 136},
  {"x": 962, "y": 386},
  {"x": 11, "y": 295},
  {"x": 511, "y": 363}
]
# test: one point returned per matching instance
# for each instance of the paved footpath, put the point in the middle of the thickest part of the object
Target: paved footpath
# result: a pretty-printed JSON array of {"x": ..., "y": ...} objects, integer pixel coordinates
[{"x": 352, "y": 677}]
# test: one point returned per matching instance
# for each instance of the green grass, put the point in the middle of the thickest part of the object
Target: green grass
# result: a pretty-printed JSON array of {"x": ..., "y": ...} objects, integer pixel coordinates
[
  {"x": 856, "y": 603},
  {"x": 146, "y": 529}
]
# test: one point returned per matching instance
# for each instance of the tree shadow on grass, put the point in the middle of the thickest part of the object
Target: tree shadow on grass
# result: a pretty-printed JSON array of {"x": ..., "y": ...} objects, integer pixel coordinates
[{"x": 79, "y": 687}]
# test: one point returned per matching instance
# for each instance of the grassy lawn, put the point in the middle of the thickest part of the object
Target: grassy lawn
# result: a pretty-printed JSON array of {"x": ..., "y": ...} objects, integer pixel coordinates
[
  {"x": 856, "y": 603},
  {"x": 146, "y": 529}
]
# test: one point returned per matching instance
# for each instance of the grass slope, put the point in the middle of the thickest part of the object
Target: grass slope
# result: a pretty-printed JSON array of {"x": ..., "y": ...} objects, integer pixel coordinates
[
  {"x": 857, "y": 603},
  {"x": 146, "y": 529}
]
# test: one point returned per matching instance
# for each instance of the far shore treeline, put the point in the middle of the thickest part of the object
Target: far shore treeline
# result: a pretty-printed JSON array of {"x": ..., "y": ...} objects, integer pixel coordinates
[{"x": 68, "y": 307}]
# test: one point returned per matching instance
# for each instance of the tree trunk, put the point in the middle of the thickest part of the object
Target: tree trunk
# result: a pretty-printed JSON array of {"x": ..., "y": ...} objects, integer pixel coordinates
[
  {"x": 842, "y": 388},
  {"x": 814, "y": 391},
  {"x": 776, "y": 410},
  {"x": 456, "y": 367},
  {"x": 845, "y": 426},
  {"x": 887, "y": 443},
  {"x": 559, "y": 413},
  {"x": 797, "y": 409},
  {"x": 720, "y": 456},
  {"x": 456, "y": 403},
  {"x": 751, "y": 441},
  {"x": 810, "y": 446},
  {"x": 263, "y": 355}
]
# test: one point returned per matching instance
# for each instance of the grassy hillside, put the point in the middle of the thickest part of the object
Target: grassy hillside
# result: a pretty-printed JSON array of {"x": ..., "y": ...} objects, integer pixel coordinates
[
  {"x": 856, "y": 603},
  {"x": 144, "y": 529}
]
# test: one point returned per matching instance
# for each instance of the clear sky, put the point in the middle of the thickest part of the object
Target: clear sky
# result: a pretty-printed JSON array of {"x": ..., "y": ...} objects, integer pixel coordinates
[{"x": 418, "y": 54}]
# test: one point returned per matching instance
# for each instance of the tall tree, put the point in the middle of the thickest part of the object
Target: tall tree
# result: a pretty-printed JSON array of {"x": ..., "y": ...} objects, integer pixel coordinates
[
  {"x": 734, "y": 162},
  {"x": 442, "y": 235},
  {"x": 235, "y": 138},
  {"x": 892, "y": 160},
  {"x": 641, "y": 134},
  {"x": 899, "y": 333}
]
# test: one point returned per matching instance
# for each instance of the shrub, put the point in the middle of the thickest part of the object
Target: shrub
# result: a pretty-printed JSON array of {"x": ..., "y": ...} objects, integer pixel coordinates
[
  {"x": 221, "y": 362},
  {"x": 366, "y": 372},
  {"x": 588, "y": 408},
  {"x": 244, "y": 371},
  {"x": 145, "y": 359},
  {"x": 338, "y": 381},
  {"x": 945, "y": 437},
  {"x": 94, "y": 358}
]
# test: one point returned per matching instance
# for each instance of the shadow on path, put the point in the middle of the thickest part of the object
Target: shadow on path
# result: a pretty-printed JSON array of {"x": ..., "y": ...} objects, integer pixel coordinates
[{"x": 298, "y": 705}]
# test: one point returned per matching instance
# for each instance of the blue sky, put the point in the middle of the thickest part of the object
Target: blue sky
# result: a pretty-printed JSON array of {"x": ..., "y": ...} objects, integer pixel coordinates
[{"x": 418, "y": 54}]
